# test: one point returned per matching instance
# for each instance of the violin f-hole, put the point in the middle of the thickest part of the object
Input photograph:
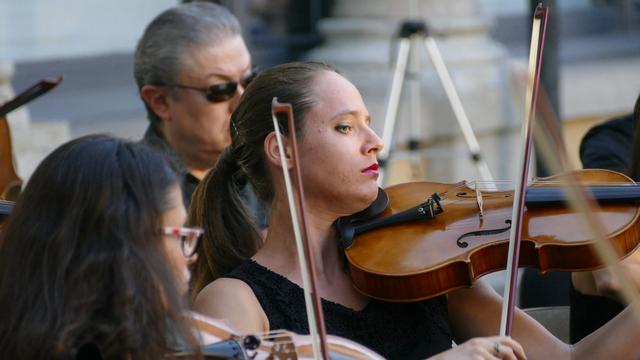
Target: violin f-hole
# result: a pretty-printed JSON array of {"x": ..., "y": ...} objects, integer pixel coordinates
[{"x": 464, "y": 244}]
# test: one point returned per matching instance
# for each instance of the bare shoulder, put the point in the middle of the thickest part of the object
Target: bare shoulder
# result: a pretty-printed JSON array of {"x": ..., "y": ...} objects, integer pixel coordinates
[{"x": 234, "y": 301}]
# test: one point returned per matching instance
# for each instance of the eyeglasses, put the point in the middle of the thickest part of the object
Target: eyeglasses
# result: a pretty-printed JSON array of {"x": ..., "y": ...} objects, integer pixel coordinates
[
  {"x": 222, "y": 92},
  {"x": 189, "y": 238}
]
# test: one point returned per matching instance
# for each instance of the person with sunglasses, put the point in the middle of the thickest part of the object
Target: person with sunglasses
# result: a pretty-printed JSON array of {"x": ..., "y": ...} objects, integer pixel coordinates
[
  {"x": 191, "y": 67},
  {"x": 94, "y": 257}
]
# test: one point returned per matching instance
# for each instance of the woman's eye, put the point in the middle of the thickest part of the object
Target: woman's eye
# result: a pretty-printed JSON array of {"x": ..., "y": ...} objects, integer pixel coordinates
[{"x": 343, "y": 128}]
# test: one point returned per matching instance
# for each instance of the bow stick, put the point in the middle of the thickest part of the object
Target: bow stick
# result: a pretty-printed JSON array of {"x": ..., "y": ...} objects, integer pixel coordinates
[
  {"x": 535, "y": 62},
  {"x": 312, "y": 298}
]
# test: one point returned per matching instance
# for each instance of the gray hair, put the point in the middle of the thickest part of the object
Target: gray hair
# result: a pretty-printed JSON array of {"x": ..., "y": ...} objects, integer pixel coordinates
[{"x": 162, "y": 50}]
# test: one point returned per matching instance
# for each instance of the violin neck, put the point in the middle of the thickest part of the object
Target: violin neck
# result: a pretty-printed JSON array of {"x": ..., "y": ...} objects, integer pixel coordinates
[{"x": 553, "y": 196}]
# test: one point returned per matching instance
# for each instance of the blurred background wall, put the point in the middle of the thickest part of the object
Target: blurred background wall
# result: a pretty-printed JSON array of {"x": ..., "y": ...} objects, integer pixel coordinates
[{"x": 484, "y": 43}]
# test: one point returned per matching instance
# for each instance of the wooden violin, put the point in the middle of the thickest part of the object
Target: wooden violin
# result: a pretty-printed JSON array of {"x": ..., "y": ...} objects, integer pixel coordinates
[
  {"x": 10, "y": 183},
  {"x": 221, "y": 342},
  {"x": 430, "y": 238}
]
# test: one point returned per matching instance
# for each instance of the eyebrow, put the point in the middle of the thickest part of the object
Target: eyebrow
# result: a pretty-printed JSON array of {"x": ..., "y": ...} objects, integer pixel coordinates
[
  {"x": 353, "y": 113},
  {"x": 227, "y": 77}
]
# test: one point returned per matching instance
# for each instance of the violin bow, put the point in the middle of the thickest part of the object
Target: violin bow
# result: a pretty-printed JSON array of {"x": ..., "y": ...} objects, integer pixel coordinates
[
  {"x": 313, "y": 303},
  {"x": 35, "y": 90},
  {"x": 535, "y": 61}
]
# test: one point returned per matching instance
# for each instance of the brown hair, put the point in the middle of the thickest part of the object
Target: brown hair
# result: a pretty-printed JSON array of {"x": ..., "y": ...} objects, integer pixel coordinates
[
  {"x": 82, "y": 266},
  {"x": 230, "y": 234}
]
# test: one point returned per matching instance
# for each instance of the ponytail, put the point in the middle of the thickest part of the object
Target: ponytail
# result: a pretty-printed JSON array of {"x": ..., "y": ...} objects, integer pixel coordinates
[
  {"x": 230, "y": 234},
  {"x": 217, "y": 204}
]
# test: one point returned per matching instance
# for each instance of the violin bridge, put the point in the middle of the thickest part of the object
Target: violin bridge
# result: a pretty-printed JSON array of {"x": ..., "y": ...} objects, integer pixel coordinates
[{"x": 480, "y": 203}]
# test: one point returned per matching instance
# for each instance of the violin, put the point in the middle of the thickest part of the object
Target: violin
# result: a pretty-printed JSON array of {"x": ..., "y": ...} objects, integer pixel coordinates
[
  {"x": 223, "y": 343},
  {"x": 10, "y": 182},
  {"x": 419, "y": 240}
]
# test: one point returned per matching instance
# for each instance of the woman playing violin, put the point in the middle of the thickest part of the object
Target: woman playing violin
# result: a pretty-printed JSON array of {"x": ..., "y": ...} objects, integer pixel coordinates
[
  {"x": 338, "y": 163},
  {"x": 93, "y": 260}
]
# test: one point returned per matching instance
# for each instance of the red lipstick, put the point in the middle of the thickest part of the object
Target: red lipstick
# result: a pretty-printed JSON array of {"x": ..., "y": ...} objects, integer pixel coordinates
[{"x": 371, "y": 169}]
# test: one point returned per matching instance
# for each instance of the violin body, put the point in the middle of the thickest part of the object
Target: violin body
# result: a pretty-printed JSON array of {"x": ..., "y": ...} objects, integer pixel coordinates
[
  {"x": 10, "y": 183},
  {"x": 222, "y": 343},
  {"x": 422, "y": 259}
]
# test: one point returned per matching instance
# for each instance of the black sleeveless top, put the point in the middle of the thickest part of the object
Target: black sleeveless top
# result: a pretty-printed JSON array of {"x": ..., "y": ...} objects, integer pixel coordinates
[
  {"x": 394, "y": 330},
  {"x": 589, "y": 312}
]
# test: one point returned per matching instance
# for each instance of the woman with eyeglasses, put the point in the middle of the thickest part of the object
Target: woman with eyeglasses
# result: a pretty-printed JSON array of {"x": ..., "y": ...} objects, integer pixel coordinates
[
  {"x": 94, "y": 258},
  {"x": 337, "y": 160}
]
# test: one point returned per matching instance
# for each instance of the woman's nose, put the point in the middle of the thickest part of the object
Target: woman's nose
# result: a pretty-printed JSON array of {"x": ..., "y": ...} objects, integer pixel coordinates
[{"x": 374, "y": 143}]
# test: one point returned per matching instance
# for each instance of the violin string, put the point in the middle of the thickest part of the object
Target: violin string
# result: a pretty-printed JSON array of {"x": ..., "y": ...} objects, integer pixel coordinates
[
  {"x": 473, "y": 185},
  {"x": 491, "y": 184},
  {"x": 445, "y": 201},
  {"x": 483, "y": 182},
  {"x": 473, "y": 218},
  {"x": 472, "y": 223}
]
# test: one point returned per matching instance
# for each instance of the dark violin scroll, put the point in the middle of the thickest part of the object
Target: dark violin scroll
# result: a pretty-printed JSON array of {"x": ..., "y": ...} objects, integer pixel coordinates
[
  {"x": 350, "y": 226},
  {"x": 10, "y": 182},
  {"x": 39, "y": 88}
]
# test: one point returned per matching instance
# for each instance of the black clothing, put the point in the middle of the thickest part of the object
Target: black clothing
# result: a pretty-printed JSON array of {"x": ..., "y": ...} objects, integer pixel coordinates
[
  {"x": 189, "y": 182},
  {"x": 394, "y": 330},
  {"x": 540, "y": 290},
  {"x": 608, "y": 145},
  {"x": 589, "y": 313},
  {"x": 605, "y": 146}
]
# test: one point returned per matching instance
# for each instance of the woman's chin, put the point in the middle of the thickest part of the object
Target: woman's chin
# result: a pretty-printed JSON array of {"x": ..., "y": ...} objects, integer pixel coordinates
[{"x": 364, "y": 201}]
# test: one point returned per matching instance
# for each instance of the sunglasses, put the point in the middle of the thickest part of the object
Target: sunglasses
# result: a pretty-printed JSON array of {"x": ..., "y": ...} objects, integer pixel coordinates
[
  {"x": 189, "y": 238},
  {"x": 222, "y": 92}
]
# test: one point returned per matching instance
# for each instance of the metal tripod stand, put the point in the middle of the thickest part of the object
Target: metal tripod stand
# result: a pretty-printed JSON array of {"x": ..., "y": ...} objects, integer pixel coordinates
[{"x": 411, "y": 33}]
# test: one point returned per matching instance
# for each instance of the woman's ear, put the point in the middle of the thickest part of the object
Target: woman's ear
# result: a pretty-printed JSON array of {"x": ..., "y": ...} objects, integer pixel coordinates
[{"x": 272, "y": 152}]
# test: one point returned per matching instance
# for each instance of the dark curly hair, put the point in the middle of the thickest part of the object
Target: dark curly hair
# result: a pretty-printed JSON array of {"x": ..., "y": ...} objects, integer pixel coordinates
[{"x": 81, "y": 261}]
